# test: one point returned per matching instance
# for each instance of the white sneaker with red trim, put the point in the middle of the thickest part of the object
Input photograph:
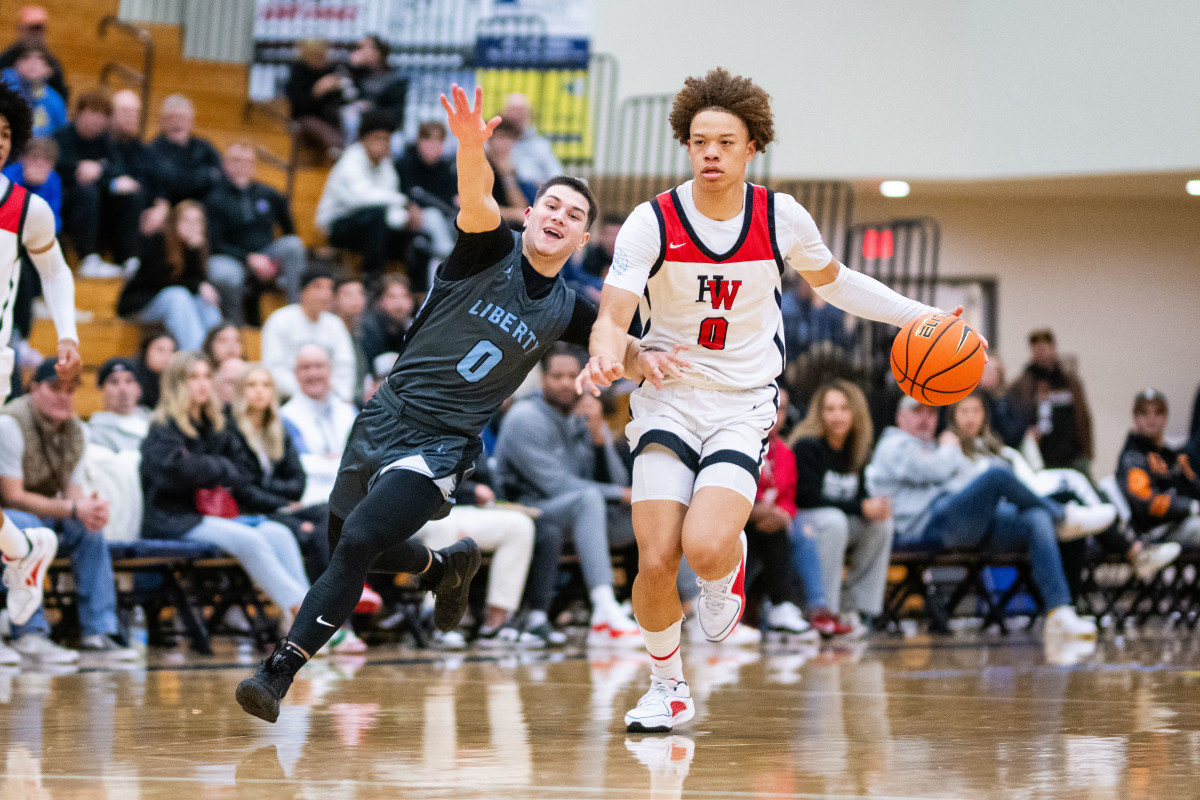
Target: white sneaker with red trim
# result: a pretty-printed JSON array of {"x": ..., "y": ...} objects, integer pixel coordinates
[
  {"x": 667, "y": 704},
  {"x": 614, "y": 628},
  {"x": 23, "y": 577},
  {"x": 721, "y": 602}
]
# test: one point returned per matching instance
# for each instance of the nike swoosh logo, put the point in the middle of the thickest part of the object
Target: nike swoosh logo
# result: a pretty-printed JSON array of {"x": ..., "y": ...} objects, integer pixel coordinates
[
  {"x": 320, "y": 619},
  {"x": 673, "y": 246}
]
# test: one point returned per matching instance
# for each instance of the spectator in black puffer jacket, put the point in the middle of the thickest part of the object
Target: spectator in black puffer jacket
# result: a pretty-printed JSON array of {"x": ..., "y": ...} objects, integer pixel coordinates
[
  {"x": 189, "y": 448},
  {"x": 1159, "y": 483}
]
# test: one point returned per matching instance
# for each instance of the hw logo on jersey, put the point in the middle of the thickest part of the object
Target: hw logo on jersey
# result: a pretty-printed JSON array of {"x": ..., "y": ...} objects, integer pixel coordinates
[{"x": 722, "y": 292}]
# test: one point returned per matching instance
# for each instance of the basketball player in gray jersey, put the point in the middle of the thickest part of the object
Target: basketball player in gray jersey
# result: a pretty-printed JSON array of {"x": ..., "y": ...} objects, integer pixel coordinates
[{"x": 496, "y": 305}]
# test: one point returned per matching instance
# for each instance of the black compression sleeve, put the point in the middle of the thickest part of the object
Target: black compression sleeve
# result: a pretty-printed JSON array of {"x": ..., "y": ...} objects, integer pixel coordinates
[
  {"x": 475, "y": 252},
  {"x": 582, "y": 319}
]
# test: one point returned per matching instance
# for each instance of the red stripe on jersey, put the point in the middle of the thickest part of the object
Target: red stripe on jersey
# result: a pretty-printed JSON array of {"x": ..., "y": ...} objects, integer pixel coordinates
[
  {"x": 681, "y": 247},
  {"x": 10, "y": 212}
]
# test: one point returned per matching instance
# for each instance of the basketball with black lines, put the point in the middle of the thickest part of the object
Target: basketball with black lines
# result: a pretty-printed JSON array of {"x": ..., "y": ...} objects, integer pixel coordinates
[{"x": 937, "y": 359}]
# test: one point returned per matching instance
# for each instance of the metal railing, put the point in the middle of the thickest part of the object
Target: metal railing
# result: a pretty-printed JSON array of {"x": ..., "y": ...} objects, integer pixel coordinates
[
  {"x": 142, "y": 80},
  {"x": 288, "y": 165}
]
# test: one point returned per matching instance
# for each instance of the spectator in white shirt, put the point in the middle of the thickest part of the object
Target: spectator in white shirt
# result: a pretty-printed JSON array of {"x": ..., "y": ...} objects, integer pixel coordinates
[
  {"x": 318, "y": 420},
  {"x": 123, "y": 424},
  {"x": 532, "y": 155},
  {"x": 308, "y": 322}
]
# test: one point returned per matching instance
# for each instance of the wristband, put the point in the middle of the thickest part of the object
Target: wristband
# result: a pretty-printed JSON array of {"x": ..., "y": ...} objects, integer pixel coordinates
[{"x": 866, "y": 297}]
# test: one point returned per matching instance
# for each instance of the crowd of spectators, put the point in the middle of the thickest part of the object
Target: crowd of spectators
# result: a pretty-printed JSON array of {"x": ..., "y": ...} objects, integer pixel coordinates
[{"x": 242, "y": 456}]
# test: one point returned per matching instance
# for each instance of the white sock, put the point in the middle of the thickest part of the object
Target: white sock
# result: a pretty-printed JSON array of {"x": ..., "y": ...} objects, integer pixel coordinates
[
  {"x": 663, "y": 647},
  {"x": 13, "y": 543},
  {"x": 536, "y": 618},
  {"x": 604, "y": 602}
]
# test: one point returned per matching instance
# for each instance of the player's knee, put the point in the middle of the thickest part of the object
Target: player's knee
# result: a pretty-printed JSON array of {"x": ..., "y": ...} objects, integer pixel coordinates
[{"x": 659, "y": 567}]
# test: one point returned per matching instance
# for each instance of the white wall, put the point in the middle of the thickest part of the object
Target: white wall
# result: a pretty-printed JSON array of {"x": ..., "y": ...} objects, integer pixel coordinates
[{"x": 937, "y": 88}]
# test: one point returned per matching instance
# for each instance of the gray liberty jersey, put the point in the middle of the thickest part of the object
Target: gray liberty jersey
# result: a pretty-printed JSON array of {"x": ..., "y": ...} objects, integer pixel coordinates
[{"x": 473, "y": 342}]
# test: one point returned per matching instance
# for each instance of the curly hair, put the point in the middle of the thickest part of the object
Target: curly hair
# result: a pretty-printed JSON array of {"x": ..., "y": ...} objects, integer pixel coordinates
[
  {"x": 720, "y": 90},
  {"x": 20, "y": 118}
]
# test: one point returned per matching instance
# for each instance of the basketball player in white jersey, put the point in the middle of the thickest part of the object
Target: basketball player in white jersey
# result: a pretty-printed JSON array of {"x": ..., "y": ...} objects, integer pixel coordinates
[
  {"x": 705, "y": 262},
  {"x": 27, "y": 226}
]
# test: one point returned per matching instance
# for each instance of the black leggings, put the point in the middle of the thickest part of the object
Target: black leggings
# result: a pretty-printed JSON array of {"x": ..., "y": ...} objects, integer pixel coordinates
[{"x": 376, "y": 536}]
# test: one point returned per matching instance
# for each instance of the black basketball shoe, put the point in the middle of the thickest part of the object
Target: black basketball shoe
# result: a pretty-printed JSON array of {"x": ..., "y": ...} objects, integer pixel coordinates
[
  {"x": 460, "y": 563},
  {"x": 261, "y": 693}
]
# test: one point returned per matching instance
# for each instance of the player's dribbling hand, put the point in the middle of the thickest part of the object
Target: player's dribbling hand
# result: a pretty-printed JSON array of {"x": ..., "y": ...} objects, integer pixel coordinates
[
  {"x": 599, "y": 372},
  {"x": 466, "y": 123},
  {"x": 655, "y": 365},
  {"x": 69, "y": 363}
]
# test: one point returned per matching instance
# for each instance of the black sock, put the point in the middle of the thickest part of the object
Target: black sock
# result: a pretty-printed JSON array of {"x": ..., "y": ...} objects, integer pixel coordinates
[{"x": 437, "y": 569}]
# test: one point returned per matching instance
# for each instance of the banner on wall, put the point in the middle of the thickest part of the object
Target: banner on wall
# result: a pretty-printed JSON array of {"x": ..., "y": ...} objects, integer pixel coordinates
[{"x": 537, "y": 47}]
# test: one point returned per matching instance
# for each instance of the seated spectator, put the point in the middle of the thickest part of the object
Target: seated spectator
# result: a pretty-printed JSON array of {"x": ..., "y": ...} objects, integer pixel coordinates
[
  {"x": 90, "y": 170},
  {"x": 349, "y": 305},
  {"x": 187, "y": 167},
  {"x": 968, "y": 419},
  {"x": 28, "y": 76},
  {"x": 221, "y": 343},
  {"x": 375, "y": 85},
  {"x": 33, "y": 640},
  {"x": 363, "y": 210},
  {"x": 1003, "y": 415},
  {"x": 427, "y": 174},
  {"x": 190, "y": 448},
  {"x": 1159, "y": 483},
  {"x": 35, "y": 171},
  {"x": 507, "y": 534},
  {"x": 533, "y": 155},
  {"x": 586, "y": 274},
  {"x": 808, "y": 320},
  {"x": 31, "y": 29},
  {"x": 225, "y": 380},
  {"x": 308, "y": 322},
  {"x": 136, "y": 167},
  {"x": 318, "y": 421},
  {"x": 1052, "y": 398},
  {"x": 555, "y": 452},
  {"x": 316, "y": 90},
  {"x": 41, "y": 453},
  {"x": 153, "y": 356},
  {"x": 771, "y": 518},
  {"x": 122, "y": 424},
  {"x": 511, "y": 194},
  {"x": 171, "y": 284},
  {"x": 248, "y": 256},
  {"x": 938, "y": 501},
  {"x": 832, "y": 446},
  {"x": 386, "y": 324}
]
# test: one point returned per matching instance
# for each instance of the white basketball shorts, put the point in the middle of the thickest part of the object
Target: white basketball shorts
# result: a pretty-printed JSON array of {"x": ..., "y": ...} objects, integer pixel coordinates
[{"x": 684, "y": 438}]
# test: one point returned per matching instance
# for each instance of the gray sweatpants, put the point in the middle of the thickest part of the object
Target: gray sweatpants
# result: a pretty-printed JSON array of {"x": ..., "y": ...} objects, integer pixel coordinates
[{"x": 862, "y": 589}]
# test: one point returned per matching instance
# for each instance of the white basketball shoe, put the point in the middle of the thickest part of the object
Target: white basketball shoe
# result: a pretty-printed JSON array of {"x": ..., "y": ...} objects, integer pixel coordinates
[
  {"x": 721, "y": 602},
  {"x": 667, "y": 704},
  {"x": 23, "y": 577}
]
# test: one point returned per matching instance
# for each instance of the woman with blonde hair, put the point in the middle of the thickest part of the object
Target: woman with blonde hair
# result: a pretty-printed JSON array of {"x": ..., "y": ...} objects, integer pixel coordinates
[
  {"x": 832, "y": 446},
  {"x": 276, "y": 479},
  {"x": 189, "y": 474}
]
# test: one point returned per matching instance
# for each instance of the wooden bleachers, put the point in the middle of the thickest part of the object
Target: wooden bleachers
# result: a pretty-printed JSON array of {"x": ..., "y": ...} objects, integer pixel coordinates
[{"x": 219, "y": 92}]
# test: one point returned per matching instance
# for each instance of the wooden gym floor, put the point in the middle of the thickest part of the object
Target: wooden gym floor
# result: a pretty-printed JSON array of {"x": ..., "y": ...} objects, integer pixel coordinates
[{"x": 923, "y": 718}]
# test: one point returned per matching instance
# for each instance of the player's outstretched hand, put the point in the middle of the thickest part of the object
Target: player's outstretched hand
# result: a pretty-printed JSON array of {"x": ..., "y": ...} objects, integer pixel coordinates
[
  {"x": 957, "y": 312},
  {"x": 69, "y": 363},
  {"x": 599, "y": 372},
  {"x": 466, "y": 123},
  {"x": 657, "y": 364}
]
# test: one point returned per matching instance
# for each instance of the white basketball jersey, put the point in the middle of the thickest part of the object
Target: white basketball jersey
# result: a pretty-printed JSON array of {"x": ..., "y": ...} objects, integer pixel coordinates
[
  {"x": 13, "y": 208},
  {"x": 724, "y": 306}
]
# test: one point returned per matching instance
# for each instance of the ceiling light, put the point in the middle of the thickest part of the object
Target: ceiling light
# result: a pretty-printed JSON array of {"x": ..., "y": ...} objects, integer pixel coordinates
[
  {"x": 901, "y": 188},
  {"x": 1193, "y": 187}
]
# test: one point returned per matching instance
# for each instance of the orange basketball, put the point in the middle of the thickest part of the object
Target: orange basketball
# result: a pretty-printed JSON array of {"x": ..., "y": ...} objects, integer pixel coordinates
[{"x": 937, "y": 359}]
